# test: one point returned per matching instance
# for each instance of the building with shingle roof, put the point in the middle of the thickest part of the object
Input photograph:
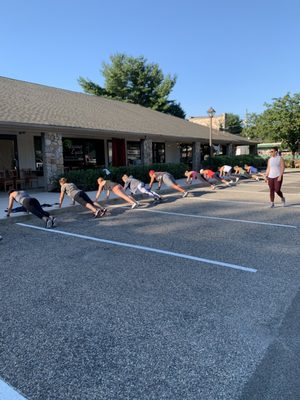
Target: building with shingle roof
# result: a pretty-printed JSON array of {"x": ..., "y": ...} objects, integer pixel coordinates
[{"x": 52, "y": 129}]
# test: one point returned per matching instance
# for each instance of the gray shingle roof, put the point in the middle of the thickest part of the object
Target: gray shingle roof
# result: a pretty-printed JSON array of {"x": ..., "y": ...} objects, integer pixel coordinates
[{"x": 24, "y": 103}]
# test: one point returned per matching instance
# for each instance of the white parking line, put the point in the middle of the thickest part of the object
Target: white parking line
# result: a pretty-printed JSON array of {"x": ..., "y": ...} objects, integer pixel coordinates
[
  {"x": 231, "y": 201},
  {"x": 9, "y": 393},
  {"x": 218, "y": 218},
  {"x": 134, "y": 246},
  {"x": 266, "y": 193},
  {"x": 243, "y": 202}
]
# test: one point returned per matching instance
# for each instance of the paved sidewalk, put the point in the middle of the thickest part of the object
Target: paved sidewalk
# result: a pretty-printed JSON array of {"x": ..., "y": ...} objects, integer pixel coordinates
[{"x": 52, "y": 198}]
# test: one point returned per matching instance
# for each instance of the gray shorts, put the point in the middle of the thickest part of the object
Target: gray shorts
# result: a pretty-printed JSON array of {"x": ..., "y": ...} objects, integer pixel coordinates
[{"x": 168, "y": 180}]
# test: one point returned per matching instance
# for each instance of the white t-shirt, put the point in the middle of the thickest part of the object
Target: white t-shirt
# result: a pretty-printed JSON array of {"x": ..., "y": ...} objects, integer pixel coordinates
[
  {"x": 227, "y": 168},
  {"x": 274, "y": 167}
]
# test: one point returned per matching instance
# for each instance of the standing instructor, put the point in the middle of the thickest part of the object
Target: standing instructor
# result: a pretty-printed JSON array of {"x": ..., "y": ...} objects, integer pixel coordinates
[{"x": 274, "y": 175}]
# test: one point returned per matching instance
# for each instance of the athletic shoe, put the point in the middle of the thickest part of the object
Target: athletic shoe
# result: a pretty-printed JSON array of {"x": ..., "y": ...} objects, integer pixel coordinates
[
  {"x": 272, "y": 205},
  {"x": 134, "y": 205},
  {"x": 53, "y": 220},
  {"x": 185, "y": 194},
  {"x": 283, "y": 201},
  {"x": 98, "y": 213},
  {"x": 48, "y": 223},
  {"x": 257, "y": 179},
  {"x": 237, "y": 179},
  {"x": 103, "y": 212}
]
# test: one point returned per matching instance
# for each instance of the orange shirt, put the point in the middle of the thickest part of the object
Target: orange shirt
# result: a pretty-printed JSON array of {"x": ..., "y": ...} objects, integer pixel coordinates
[{"x": 209, "y": 173}]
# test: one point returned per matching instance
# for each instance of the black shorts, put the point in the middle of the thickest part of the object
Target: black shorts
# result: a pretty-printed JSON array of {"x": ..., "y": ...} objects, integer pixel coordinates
[{"x": 82, "y": 198}]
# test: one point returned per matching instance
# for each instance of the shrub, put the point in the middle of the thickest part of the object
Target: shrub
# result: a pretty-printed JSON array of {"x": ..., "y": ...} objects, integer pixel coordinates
[
  {"x": 218, "y": 161},
  {"x": 83, "y": 179},
  {"x": 87, "y": 179}
]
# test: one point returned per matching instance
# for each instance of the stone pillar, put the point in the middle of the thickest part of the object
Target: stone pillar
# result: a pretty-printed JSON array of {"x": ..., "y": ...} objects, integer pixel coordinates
[
  {"x": 196, "y": 156},
  {"x": 53, "y": 161},
  {"x": 146, "y": 151}
]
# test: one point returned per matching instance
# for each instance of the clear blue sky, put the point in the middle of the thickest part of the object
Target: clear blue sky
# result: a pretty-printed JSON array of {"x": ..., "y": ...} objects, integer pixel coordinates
[{"x": 234, "y": 55}]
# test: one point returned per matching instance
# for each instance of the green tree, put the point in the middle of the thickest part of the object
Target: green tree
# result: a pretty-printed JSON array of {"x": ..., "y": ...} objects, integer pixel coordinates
[
  {"x": 134, "y": 80},
  {"x": 279, "y": 122},
  {"x": 251, "y": 127},
  {"x": 233, "y": 124}
]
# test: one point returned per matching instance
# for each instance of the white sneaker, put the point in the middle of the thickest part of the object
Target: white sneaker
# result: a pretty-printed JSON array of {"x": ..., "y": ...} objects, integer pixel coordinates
[
  {"x": 103, "y": 212},
  {"x": 53, "y": 220},
  {"x": 237, "y": 179},
  {"x": 185, "y": 194},
  {"x": 48, "y": 223},
  {"x": 97, "y": 213},
  {"x": 134, "y": 205}
]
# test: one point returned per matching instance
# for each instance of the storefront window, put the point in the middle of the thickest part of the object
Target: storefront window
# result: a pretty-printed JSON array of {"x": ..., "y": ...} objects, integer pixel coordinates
[
  {"x": 82, "y": 153},
  {"x": 38, "y": 152},
  {"x": 158, "y": 152},
  {"x": 133, "y": 153},
  {"x": 186, "y": 154}
]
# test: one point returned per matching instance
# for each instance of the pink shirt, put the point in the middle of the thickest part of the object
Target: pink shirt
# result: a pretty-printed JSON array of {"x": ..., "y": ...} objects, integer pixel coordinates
[{"x": 194, "y": 174}]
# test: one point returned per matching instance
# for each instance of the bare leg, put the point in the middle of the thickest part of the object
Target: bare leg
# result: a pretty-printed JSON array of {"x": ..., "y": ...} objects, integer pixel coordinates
[
  {"x": 97, "y": 205},
  {"x": 226, "y": 182},
  {"x": 177, "y": 187},
  {"x": 120, "y": 192},
  {"x": 257, "y": 176},
  {"x": 219, "y": 179},
  {"x": 90, "y": 207},
  {"x": 210, "y": 181}
]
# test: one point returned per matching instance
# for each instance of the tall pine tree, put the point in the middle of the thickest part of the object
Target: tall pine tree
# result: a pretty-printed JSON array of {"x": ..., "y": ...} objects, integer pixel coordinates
[{"x": 134, "y": 80}]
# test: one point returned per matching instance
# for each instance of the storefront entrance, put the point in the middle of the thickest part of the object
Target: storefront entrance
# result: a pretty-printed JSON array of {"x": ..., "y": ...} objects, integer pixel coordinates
[
  {"x": 8, "y": 162},
  {"x": 8, "y": 152}
]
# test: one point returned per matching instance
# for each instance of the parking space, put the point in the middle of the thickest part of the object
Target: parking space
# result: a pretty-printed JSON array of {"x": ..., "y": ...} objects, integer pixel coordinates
[{"x": 189, "y": 299}]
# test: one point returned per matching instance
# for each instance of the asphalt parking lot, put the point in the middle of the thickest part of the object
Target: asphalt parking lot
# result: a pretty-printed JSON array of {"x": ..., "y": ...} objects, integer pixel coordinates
[{"x": 194, "y": 298}]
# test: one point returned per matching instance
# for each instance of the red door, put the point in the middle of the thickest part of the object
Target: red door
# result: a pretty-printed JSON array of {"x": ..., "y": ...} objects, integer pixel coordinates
[{"x": 118, "y": 152}]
